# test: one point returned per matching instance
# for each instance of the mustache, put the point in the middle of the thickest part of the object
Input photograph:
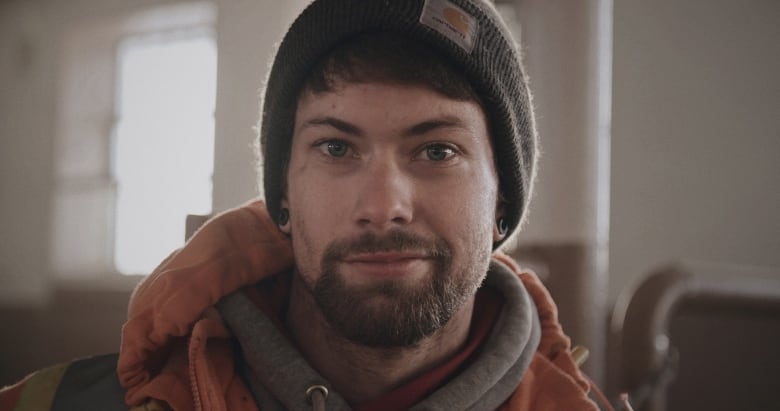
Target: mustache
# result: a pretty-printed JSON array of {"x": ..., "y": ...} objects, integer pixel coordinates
[{"x": 396, "y": 240}]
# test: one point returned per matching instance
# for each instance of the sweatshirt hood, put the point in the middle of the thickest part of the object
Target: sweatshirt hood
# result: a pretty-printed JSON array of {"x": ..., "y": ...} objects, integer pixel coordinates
[{"x": 278, "y": 375}]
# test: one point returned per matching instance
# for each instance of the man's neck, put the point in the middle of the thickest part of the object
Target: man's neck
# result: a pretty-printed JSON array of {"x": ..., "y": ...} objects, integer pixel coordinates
[{"x": 360, "y": 373}]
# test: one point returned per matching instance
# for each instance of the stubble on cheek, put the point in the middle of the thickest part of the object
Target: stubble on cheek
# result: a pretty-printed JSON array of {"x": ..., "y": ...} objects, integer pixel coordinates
[{"x": 306, "y": 261}]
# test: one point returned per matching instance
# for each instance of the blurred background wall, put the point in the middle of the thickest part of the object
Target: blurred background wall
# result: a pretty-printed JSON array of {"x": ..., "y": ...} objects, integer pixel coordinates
[
  {"x": 690, "y": 146},
  {"x": 695, "y": 135}
]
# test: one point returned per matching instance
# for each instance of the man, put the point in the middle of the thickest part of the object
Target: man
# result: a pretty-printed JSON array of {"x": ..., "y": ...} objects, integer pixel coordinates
[{"x": 398, "y": 150}]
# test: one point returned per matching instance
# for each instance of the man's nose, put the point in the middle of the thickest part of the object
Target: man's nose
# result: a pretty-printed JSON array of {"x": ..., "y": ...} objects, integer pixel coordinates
[{"x": 384, "y": 196}]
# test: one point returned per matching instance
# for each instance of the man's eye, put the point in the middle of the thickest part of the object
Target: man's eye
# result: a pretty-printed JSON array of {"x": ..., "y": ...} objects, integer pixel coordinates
[
  {"x": 439, "y": 152},
  {"x": 334, "y": 148}
]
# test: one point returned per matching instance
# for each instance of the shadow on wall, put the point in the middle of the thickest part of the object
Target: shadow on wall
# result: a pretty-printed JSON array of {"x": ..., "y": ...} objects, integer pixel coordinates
[
  {"x": 75, "y": 323},
  {"x": 701, "y": 337}
]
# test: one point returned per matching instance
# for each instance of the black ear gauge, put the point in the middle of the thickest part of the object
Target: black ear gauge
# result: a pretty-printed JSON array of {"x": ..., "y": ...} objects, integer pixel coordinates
[
  {"x": 284, "y": 216},
  {"x": 503, "y": 227}
]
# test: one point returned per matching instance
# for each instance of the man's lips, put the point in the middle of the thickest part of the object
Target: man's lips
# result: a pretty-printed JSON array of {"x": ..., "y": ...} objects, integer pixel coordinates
[
  {"x": 388, "y": 263},
  {"x": 384, "y": 257}
]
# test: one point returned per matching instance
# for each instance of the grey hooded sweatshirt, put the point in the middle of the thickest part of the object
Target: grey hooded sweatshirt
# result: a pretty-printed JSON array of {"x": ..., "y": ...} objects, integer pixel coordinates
[{"x": 279, "y": 377}]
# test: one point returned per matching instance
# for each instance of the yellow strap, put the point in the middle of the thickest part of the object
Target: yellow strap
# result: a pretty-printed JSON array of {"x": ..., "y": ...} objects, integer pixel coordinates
[
  {"x": 38, "y": 391},
  {"x": 152, "y": 405},
  {"x": 580, "y": 354}
]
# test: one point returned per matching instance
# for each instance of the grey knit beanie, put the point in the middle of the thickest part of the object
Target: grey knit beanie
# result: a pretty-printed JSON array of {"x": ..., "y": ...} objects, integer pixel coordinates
[{"x": 467, "y": 32}]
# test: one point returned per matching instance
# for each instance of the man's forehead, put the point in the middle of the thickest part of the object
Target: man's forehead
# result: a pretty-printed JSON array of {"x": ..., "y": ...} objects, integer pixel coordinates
[{"x": 423, "y": 106}]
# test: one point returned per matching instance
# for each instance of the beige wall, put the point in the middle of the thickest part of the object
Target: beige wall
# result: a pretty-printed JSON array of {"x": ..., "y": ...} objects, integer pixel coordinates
[
  {"x": 695, "y": 134},
  {"x": 27, "y": 63},
  {"x": 247, "y": 33}
]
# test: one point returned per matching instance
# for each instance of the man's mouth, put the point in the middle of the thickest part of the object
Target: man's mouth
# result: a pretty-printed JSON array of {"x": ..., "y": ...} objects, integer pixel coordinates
[
  {"x": 387, "y": 263},
  {"x": 384, "y": 257}
]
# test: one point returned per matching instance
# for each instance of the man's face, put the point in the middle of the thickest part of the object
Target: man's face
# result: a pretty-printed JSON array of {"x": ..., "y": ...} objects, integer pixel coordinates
[{"x": 392, "y": 194}]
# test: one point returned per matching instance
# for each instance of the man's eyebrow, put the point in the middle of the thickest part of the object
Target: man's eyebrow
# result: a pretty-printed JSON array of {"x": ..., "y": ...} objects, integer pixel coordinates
[
  {"x": 338, "y": 124},
  {"x": 433, "y": 124}
]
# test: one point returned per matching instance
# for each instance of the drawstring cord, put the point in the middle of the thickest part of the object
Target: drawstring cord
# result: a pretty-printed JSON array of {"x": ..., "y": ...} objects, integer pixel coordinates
[
  {"x": 624, "y": 405},
  {"x": 602, "y": 399},
  {"x": 317, "y": 394},
  {"x": 624, "y": 402},
  {"x": 580, "y": 354}
]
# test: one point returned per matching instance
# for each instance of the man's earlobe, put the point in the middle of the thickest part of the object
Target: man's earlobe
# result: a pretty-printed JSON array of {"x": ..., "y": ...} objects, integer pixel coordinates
[
  {"x": 500, "y": 229},
  {"x": 283, "y": 219}
]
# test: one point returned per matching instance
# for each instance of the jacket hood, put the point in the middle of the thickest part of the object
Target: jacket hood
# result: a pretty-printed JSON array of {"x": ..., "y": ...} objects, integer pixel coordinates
[
  {"x": 236, "y": 248},
  {"x": 554, "y": 381}
]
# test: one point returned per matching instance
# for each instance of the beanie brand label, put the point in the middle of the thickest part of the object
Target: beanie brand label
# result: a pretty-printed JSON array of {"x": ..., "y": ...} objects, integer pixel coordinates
[{"x": 451, "y": 21}]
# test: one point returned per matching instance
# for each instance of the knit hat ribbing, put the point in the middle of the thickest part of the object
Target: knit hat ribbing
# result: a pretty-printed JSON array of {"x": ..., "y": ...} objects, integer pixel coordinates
[{"x": 478, "y": 44}]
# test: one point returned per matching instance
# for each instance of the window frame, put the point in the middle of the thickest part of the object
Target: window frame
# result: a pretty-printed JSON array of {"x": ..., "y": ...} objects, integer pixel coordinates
[{"x": 81, "y": 248}]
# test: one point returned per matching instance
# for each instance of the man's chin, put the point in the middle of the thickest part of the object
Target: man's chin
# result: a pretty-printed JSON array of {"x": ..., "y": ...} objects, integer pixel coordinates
[
  {"x": 377, "y": 330},
  {"x": 384, "y": 315}
]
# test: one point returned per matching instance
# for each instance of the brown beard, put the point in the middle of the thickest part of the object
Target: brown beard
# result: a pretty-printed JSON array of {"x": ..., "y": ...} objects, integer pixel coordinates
[{"x": 390, "y": 313}]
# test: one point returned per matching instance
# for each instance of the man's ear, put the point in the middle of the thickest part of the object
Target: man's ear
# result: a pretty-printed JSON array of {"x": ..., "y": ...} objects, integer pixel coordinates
[
  {"x": 499, "y": 223},
  {"x": 283, "y": 219}
]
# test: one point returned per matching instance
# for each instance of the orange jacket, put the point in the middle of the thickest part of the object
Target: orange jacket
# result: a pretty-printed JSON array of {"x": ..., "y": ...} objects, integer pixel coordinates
[
  {"x": 176, "y": 349},
  {"x": 242, "y": 247}
]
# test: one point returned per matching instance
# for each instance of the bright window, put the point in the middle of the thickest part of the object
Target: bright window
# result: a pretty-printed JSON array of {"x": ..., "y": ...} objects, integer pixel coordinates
[
  {"x": 134, "y": 137},
  {"x": 163, "y": 144}
]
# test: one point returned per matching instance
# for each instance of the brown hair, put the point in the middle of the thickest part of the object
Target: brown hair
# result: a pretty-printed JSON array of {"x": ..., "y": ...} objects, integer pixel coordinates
[{"x": 385, "y": 57}]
